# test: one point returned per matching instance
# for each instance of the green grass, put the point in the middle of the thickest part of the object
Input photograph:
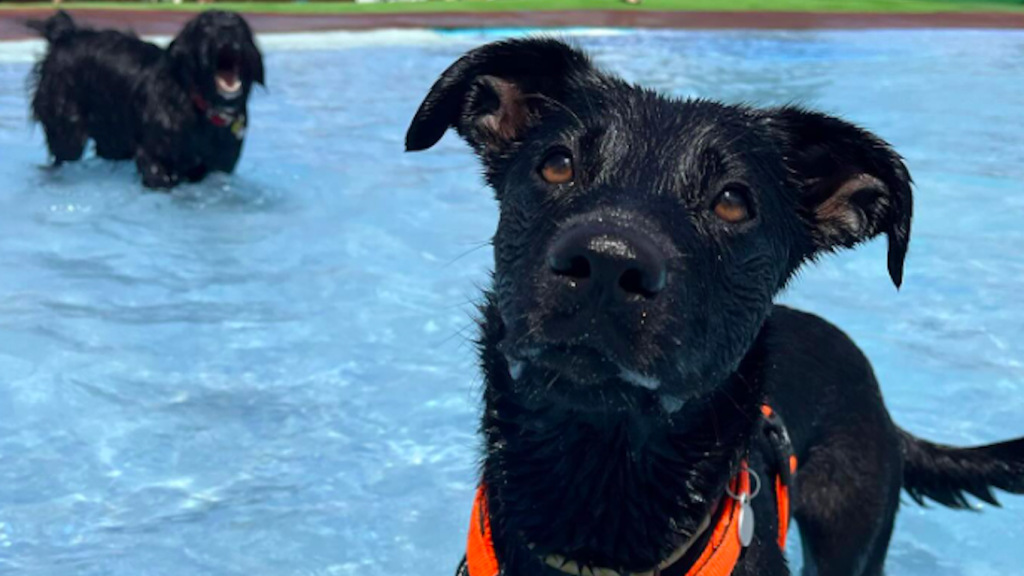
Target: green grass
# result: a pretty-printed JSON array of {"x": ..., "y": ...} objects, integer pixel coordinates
[{"x": 884, "y": 6}]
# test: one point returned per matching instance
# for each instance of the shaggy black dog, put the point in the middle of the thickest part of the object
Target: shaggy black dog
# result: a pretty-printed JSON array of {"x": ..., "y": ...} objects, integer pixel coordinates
[
  {"x": 180, "y": 113},
  {"x": 630, "y": 343}
]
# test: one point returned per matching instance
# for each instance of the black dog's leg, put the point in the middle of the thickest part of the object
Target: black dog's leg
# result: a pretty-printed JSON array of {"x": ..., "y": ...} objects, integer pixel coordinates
[
  {"x": 847, "y": 495},
  {"x": 62, "y": 119},
  {"x": 155, "y": 173},
  {"x": 66, "y": 140},
  {"x": 197, "y": 173},
  {"x": 65, "y": 136},
  {"x": 157, "y": 157}
]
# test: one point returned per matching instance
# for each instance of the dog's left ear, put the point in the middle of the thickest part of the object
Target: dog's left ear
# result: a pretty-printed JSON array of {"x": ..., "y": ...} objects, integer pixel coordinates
[
  {"x": 182, "y": 54},
  {"x": 852, "y": 185},
  {"x": 495, "y": 93}
]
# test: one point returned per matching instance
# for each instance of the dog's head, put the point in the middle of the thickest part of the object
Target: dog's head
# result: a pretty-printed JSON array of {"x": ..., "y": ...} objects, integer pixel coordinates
[
  {"x": 641, "y": 238},
  {"x": 215, "y": 55}
]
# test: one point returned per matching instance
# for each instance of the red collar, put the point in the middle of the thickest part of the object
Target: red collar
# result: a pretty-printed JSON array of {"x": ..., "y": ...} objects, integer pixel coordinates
[
  {"x": 219, "y": 117},
  {"x": 719, "y": 557}
]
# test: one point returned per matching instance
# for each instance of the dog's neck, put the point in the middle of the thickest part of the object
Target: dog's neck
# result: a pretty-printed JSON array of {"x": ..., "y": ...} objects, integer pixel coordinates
[{"x": 621, "y": 490}]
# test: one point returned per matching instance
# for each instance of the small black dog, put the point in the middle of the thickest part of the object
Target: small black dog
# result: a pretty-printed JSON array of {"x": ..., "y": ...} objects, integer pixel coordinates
[
  {"x": 636, "y": 367},
  {"x": 179, "y": 113}
]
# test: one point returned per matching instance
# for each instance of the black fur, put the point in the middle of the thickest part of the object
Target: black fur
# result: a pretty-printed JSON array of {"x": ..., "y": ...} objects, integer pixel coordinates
[
  {"x": 180, "y": 113},
  {"x": 623, "y": 386},
  {"x": 944, "y": 473}
]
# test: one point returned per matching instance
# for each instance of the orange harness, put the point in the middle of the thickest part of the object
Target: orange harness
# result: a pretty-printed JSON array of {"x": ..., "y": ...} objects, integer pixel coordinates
[{"x": 719, "y": 557}]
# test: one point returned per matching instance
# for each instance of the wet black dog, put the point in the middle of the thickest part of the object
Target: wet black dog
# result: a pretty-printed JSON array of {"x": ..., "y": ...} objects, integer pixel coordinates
[
  {"x": 180, "y": 113},
  {"x": 630, "y": 340}
]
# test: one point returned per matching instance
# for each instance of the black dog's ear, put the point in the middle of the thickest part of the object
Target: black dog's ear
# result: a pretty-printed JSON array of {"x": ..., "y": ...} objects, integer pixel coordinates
[
  {"x": 853, "y": 186},
  {"x": 182, "y": 54},
  {"x": 252, "y": 56},
  {"x": 495, "y": 92},
  {"x": 254, "y": 63}
]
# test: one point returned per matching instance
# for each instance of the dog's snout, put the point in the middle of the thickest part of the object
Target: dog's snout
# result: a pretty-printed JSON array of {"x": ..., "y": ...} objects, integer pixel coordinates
[{"x": 619, "y": 262}]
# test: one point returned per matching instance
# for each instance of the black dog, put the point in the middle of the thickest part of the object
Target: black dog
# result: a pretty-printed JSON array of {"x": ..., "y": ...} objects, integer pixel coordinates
[
  {"x": 179, "y": 113},
  {"x": 630, "y": 344}
]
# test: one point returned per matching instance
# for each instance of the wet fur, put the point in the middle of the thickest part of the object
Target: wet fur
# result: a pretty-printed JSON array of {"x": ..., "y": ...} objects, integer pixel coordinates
[
  {"x": 135, "y": 100},
  {"x": 580, "y": 463}
]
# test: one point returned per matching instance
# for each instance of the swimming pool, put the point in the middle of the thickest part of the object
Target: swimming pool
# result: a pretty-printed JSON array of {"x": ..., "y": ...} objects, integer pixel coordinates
[{"x": 271, "y": 373}]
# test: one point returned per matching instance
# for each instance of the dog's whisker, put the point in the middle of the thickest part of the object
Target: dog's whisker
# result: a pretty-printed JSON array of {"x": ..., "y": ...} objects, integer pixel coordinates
[
  {"x": 460, "y": 333},
  {"x": 467, "y": 253}
]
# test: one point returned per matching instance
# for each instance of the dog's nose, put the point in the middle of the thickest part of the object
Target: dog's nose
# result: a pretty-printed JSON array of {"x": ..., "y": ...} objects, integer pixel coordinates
[{"x": 621, "y": 262}]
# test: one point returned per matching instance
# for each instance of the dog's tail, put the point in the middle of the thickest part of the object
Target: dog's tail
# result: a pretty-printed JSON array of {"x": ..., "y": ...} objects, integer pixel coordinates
[
  {"x": 946, "y": 474},
  {"x": 54, "y": 28}
]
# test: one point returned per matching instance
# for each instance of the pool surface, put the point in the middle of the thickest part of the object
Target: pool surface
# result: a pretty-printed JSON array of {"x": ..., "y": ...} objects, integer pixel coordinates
[{"x": 271, "y": 373}]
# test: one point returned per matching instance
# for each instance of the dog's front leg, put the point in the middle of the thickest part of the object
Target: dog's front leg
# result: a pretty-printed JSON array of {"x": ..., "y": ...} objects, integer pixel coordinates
[{"x": 156, "y": 173}]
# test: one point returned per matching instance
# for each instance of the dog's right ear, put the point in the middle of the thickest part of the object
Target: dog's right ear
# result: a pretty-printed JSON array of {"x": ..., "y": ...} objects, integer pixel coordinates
[
  {"x": 251, "y": 55},
  {"x": 494, "y": 93}
]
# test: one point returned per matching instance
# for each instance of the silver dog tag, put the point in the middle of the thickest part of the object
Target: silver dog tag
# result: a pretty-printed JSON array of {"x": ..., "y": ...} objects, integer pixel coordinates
[{"x": 746, "y": 522}]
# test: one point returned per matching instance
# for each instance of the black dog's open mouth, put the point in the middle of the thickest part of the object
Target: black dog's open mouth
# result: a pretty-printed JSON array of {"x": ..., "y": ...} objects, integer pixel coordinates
[
  {"x": 228, "y": 78},
  {"x": 581, "y": 365}
]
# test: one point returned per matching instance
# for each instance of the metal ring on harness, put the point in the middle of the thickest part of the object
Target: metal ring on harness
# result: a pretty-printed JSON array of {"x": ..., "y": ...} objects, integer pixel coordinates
[{"x": 756, "y": 482}]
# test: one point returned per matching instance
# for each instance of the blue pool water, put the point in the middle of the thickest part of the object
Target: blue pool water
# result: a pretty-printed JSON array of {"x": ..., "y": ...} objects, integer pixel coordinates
[{"x": 270, "y": 373}]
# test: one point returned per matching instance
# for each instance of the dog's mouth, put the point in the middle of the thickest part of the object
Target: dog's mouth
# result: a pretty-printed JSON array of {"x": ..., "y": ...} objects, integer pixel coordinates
[
  {"x": 576, "y": 367},
  {"x": 228, "y": 78},
  {"x": 580, "y": 364}
]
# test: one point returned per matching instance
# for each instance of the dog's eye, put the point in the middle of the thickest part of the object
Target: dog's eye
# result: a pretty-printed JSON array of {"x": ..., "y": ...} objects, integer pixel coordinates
[
  {"x": 732, "y": 206},
  {"x": 557, "y": 168}
]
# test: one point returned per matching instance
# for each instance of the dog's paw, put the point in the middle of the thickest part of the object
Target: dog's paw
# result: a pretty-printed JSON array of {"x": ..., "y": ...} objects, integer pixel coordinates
[{"x": 157, "y": 178}]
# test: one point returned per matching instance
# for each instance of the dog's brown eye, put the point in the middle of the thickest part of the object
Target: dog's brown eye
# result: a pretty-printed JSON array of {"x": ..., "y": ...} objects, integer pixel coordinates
[
  {"x": 557, "y": 168},
  {"x": 732, "y": 207}
]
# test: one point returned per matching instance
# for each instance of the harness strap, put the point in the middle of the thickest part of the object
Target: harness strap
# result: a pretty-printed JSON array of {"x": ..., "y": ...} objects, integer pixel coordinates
[
  {"x": 480, "y": 558},
  {"x": 784, "y": 464},
  {"x": 724, "y": 547},
  {"x": 723, "y": 551}
]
